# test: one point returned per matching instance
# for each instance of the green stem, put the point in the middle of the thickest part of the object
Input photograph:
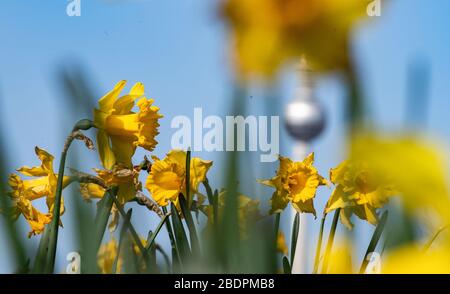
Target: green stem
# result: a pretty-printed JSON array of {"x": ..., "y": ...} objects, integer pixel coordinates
[
  {"x": 277, "y": 224},
  {"x": 83, "y": 124},
  {"x": 355, "y": 105},
  {"x": 374, "y": 241},
  {"x": 319, "y": 245},
  {"x": 330, "y": 241},
  {"x": 294, "y": 235}
]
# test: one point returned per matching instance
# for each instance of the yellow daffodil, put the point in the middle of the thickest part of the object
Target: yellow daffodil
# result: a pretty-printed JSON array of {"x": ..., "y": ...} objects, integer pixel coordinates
[
  {"x": 124, "y": 178},
  {"x": 166, "y": 179},
  {"x": 414, "y": 167},
  {"x": 412, "y": 259},
  {"x": 340, "y": 261},
  {"x": 358, "y": 191},
  {"x": 120, "y": 129},
  {"x": 24, "y": 191},
  {"x": 267, "y": 33},
  {"x": 295, "y": 182},
  {"x": 107, "y": 255},
  {"x": 281, "y": 244}
]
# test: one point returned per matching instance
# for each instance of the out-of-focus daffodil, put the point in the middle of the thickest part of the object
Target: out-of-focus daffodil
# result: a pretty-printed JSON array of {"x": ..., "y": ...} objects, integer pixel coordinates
[
  {"x": 24, "y": 191},
  {"x": 412, "y": 259},
  {"x": 341, "y": 259},
  {"x": 281, "y": 244},
  {"x": 296, "y": 182},
  {"x": 358, "y": 191},
  {"x": 107, "y": 255},
  {"x": 416, "y": 169},
  {"x": 167, "y": 177},
  {"x": 267, "y": 33},
  {"x": 120, "y": 129}
]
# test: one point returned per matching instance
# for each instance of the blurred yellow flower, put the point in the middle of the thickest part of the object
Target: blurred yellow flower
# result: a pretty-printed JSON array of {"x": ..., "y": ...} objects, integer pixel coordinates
[
  {"x": 268, "y": 33},
  {"x": 411, "y": 259},
  {"x": 340, "y": 261},
  {"x": 107, "y": 254},
  {"x": 296, "y": 182},
  {"x": 281, "y": 244},
  {"x": 106, "y": 257},
  {"x": 416, "y": 168},
  {"x": 166, "y": 179},
  {"x": 358, "y": 191},
  {"x": 24, "y": 191},
  {"x": 120, "y": 129}
]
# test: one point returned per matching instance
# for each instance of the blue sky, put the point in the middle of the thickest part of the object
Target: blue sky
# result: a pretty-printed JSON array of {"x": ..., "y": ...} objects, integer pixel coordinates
[{"x": 178, "y": 49}]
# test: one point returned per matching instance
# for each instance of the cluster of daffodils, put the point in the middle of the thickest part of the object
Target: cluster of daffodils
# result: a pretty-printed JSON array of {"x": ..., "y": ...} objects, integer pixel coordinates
[
  {"x": 378, "y": 168},
  {"x": 357, "y": 190}
]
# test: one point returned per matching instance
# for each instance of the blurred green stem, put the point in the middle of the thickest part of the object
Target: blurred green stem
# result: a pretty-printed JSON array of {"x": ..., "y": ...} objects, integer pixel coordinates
[
  {"x": 330, "y": 241},
  {"x": 277, "y": 225},
  {"x": 355, "y": 107},
  {"x": 319, "y": 245},
  {"x": 430, "y": 242}
]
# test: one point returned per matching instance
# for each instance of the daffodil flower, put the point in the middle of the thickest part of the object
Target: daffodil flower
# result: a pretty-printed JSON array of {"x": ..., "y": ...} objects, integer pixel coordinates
[
  {"x": 167, "y": 178},
  {"x": 413, "y": 259},
  {"x": 416, "y": 167},
  {"x": 295, "y": 182},
  {"x": 107, "y": 254},
  {"x": 358, "y": 191},
  {"x": 43, "y": 184},
  {"x": 120, "y": 130},
  {"x": 106, "y": 257},
  {"x": 268, "y": 33}
]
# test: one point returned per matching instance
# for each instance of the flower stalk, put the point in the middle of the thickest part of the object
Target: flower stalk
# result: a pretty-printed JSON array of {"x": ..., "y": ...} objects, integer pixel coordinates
[
  {"x": 54, "y": 225},
  {"x": 319, "y": 245},
  {"x": 330, "y": 241}
]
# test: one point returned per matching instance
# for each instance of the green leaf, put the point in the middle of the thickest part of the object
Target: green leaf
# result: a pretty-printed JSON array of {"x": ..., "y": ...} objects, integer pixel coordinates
[
  {"x": 286, "y": 266},
  {"x": 39, "y": 262},
  {"x": 180, "y": 235},
  {"x": 176, "y": 259},
  {"x": 152, "y": 237},
  {"x": 121, "y": 239},
  {"x": 103, "y": 212},
  {"x": 195, "y": 245}
]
